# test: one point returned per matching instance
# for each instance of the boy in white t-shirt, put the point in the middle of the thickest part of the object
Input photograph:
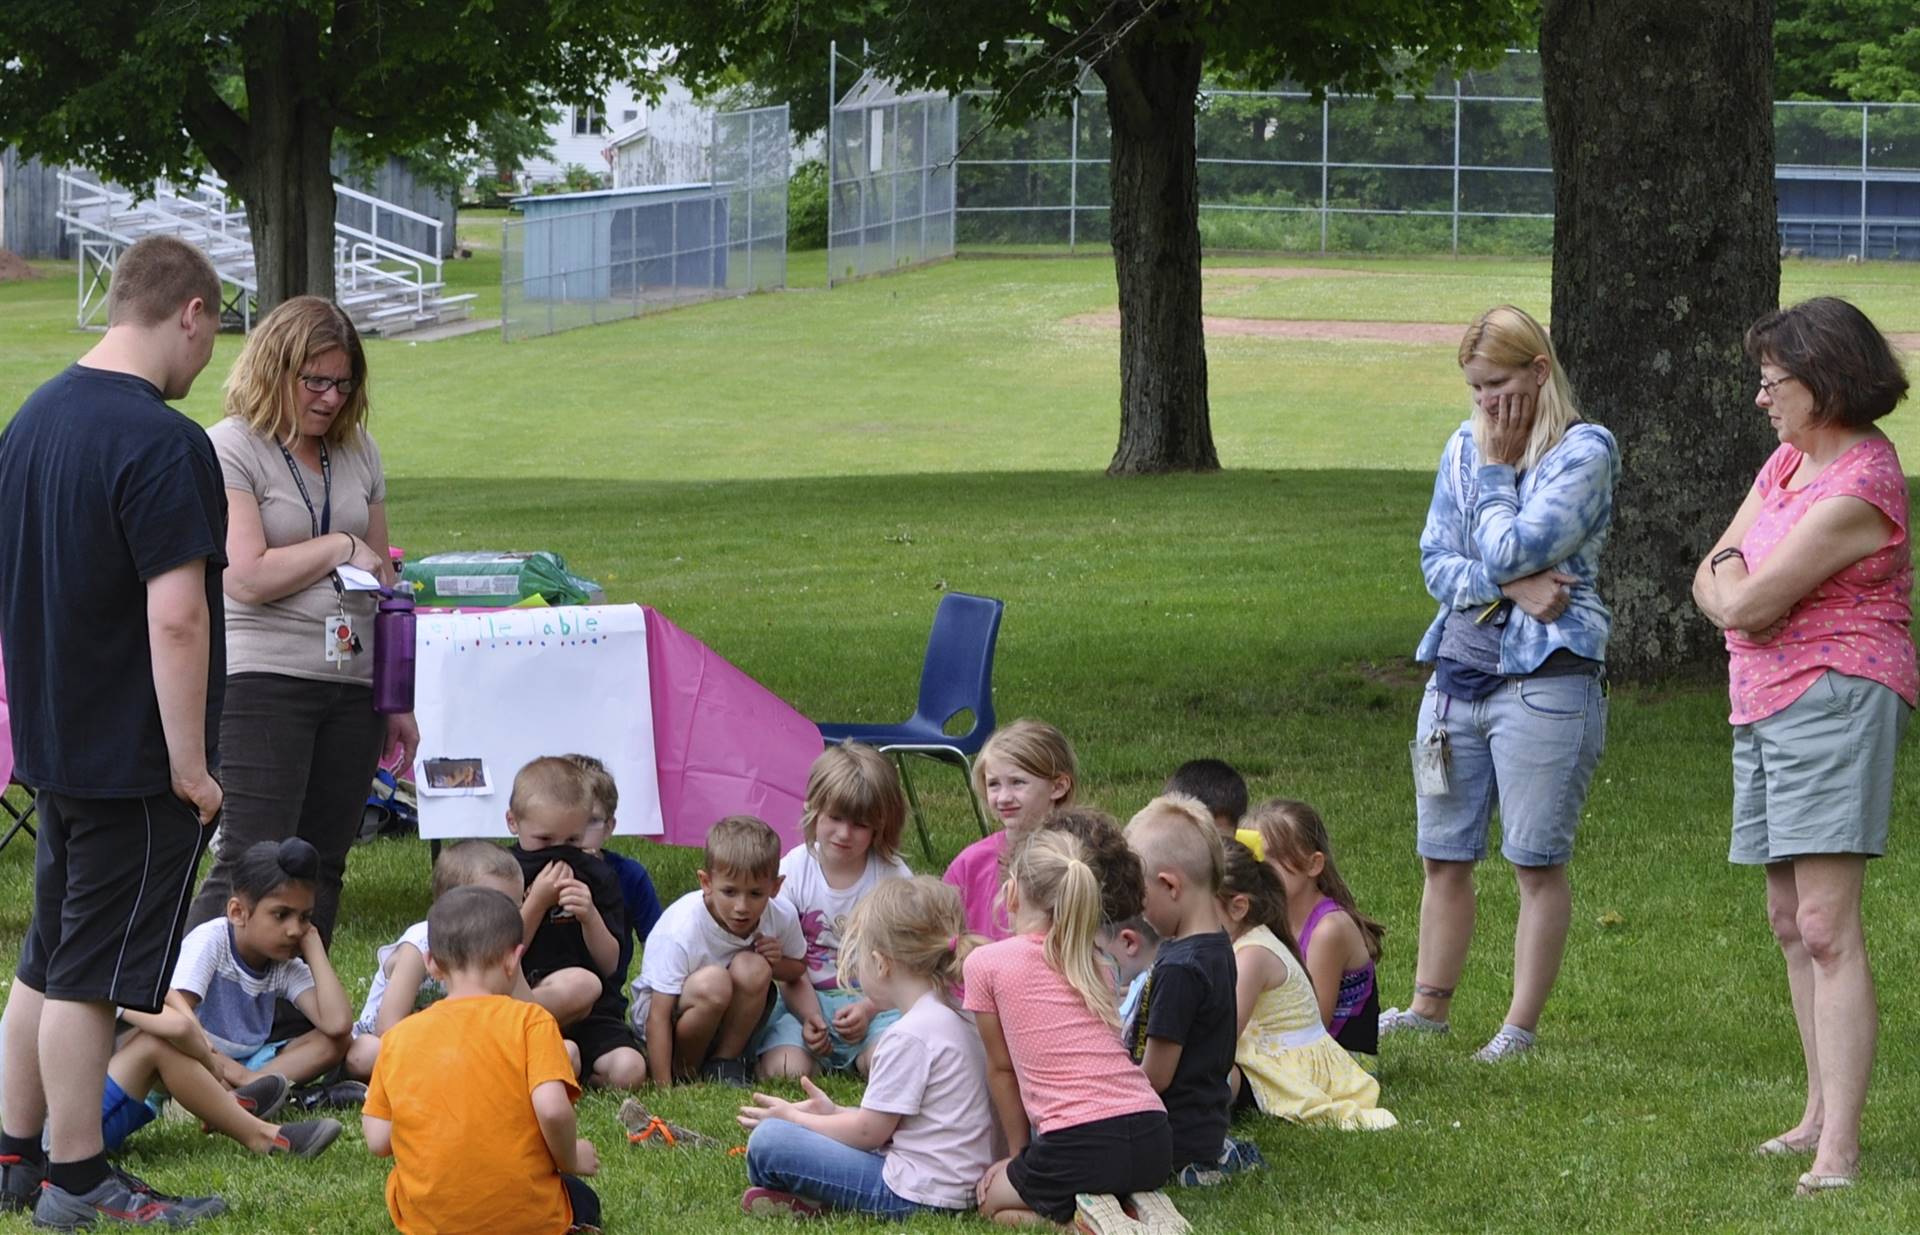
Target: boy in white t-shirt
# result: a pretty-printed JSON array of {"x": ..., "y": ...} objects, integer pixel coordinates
[
  {"x": 400, "y": 977},
  {"x": 855, "y": 810},
  {"x": 707, "y": 975}
]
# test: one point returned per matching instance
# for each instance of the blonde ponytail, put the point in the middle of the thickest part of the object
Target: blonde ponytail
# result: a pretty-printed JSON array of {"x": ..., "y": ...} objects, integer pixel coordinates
[{"x": 1054, "y": 877}]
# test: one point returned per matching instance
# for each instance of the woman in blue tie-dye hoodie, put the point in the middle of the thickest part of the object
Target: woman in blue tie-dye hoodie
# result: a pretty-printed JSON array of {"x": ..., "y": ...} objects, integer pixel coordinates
[{"x": 1515, "y": 713}]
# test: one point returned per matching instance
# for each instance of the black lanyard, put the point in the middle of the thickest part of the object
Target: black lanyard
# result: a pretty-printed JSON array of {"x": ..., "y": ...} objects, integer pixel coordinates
[{"x": 323, "y": 521}]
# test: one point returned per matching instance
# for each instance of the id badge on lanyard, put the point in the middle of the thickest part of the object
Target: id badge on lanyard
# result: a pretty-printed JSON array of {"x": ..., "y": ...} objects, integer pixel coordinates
[{"x": 339, "y": 643}]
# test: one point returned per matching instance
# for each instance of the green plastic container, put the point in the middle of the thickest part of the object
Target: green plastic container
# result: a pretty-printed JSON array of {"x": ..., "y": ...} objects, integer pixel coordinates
[{"x": 489, "y": 578}]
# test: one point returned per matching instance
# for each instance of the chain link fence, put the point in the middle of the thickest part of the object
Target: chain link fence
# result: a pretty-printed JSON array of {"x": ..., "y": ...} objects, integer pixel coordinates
[
  {"x": 1466, "y": 170},
  {"x": 1849, "y": 179},
  {"x": 578, "y": 259},
  {"x": 890, "y": 179}
]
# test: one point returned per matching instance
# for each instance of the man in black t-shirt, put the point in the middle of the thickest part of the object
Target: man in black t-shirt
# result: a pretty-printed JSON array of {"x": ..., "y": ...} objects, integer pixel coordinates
[{"x": 112, "y": 540}]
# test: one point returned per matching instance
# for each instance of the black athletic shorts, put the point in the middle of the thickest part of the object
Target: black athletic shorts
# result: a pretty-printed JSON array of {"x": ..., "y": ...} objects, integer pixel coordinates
[
  {"x": 1127, "y": 1153},
  {"x": 596, "y": 1034},
  {"x": 112, "y": 880}
]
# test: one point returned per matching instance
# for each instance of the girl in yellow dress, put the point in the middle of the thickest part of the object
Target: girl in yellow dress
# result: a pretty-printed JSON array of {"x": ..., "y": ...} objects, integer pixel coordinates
[{"x": 1287, "y": 1064}]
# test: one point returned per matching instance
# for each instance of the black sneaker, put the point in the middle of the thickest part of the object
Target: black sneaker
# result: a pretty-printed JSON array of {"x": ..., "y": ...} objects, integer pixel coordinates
[
  {"x": 19, "y": 1183},
  {"x": 305, "y": 1140},
  {"x": 734, "y": 1072},
  {"x": 113, "y": 1201},
  {"x": 263, "y": 1097},
  {"x": 340, "y": 1093}
]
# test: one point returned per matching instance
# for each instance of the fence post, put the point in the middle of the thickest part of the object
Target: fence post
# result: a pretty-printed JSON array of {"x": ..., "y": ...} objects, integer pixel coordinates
[
  {"x": 1073, "y": 178},
  {"x": 1325, "y": 103},
  {"x": 953, "y": 181},
  {"x": 833, "y": 134},
  {"x": 1863, "y": 182},
  {"x": 1456, "y": 165},
  {"x": 893, "y": 187}
]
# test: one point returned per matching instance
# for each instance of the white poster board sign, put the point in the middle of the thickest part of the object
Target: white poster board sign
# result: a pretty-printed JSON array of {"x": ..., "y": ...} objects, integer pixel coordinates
[{"x": 496, "y": 690}]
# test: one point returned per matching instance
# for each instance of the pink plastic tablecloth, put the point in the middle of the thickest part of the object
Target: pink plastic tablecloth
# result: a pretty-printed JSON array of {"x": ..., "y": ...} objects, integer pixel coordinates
[
  {"x": 723, "y": 744},
  {"x": 6, "y": 736}
]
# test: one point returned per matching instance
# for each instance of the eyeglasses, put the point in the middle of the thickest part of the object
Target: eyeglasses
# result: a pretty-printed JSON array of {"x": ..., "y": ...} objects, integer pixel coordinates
[
  {"x": 318, "y": 385},
  {"x": 1768, "y": 387}
]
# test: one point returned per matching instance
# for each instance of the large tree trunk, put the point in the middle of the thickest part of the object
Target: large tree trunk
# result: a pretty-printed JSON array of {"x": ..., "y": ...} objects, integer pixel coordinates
[
  {"x": 284, "y": 171},
  {"x": 1664, "y": 251},
  {"x": 1151, "y": 88}
]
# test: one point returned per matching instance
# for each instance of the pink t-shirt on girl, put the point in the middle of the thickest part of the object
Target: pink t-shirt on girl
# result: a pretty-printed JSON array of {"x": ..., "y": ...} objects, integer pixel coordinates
[
  {"x": 1070, "y": 1064},
  {"x": 1855, "y": 622},
  {"x": 976, "y": 872}
]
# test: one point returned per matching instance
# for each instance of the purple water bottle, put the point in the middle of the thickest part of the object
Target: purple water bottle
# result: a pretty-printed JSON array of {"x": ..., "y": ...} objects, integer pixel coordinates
[{"x": 393, "y": 653}]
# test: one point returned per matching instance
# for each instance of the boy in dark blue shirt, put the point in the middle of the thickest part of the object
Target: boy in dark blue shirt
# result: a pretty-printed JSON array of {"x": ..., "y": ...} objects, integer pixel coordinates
[{"x": 636, "y": 886}]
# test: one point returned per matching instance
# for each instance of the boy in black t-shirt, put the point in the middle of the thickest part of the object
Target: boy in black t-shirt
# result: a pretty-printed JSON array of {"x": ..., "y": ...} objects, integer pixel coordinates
[
  {"x": 575, "y": 919},
  {"x": 113, "y": 527},
  {"x": 1186, "y": 1030}
]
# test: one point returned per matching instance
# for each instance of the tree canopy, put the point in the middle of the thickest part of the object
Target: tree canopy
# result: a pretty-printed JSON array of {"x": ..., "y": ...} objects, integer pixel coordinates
[
  {"x": 1866, "y": 50},
  {"x": 259, "y": 89}
]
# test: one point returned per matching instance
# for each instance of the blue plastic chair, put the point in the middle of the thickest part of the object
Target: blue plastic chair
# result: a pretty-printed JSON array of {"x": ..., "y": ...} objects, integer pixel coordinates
[{"x": 956, "y": 677}]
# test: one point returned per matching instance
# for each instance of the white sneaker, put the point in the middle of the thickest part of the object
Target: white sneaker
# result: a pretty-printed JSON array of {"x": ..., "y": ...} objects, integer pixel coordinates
[
  {"x": 1509, "y": 1043},
  {"x": 1396, "y": 1020}
]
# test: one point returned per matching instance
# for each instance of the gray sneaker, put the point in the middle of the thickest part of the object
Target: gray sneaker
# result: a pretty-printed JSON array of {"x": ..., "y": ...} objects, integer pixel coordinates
[
  {"x": 263, "y": 1096},
  {"x": 305, "y": 1140},
  {"x": 1509, "y": 1043},
  {"x": 20, "y": 1182},
  {"x": 203, "y": 1206},
  {"x": 1397, "y": 1020},
  {"x": 114, "y": 1201}
]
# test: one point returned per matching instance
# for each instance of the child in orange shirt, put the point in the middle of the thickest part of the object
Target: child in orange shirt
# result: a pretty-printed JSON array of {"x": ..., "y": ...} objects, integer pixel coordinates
[{"x": 479, "y": 1077}]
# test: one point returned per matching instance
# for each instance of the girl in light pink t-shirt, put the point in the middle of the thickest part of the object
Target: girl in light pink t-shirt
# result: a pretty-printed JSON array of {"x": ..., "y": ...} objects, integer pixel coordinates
[
  {"x": 1025, "y": 772},
  {"x": 922, "y": 1135},
  {"x": 1046, "y": 1014}
]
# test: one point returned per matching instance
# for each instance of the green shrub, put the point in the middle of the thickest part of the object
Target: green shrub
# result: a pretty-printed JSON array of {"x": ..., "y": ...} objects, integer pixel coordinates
[{"x": 807, "y": 206}]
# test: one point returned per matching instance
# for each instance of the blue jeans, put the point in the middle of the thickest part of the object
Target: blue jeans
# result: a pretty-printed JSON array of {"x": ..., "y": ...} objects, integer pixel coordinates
[
  {"x": 1530, "y": 747},
  {"x": 789, "y": 1158}
]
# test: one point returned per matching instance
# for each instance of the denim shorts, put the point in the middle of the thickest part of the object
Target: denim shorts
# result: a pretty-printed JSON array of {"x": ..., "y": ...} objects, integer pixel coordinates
[
  {"x": 783, "y": 1029},
  {"x": 1817, "y": 776},
  {"x": 1530, "y": 748}
]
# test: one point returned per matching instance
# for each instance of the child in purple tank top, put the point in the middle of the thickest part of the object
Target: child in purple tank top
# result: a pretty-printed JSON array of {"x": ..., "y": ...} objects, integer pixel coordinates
[{"x": 1339, "y": 945}]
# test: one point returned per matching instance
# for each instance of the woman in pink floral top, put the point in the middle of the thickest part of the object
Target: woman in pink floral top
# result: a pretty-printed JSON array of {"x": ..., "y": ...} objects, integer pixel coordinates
[{"x": 1813, "y": 584}]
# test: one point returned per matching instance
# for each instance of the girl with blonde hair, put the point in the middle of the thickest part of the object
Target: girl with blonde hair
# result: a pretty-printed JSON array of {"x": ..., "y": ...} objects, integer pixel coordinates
[
  {"x": 919, "y": 1140},
  {"x": 850, "y": 829},
  {"x": 1025, "y": 772},
  {"x": 1514, "y": 714},
  {"x": 306, "y": 494},
  {"x": 1045, "y": 1011}
]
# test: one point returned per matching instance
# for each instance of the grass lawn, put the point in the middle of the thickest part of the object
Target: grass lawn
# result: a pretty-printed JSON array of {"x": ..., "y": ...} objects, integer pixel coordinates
[{"x": 795, "y": 477}]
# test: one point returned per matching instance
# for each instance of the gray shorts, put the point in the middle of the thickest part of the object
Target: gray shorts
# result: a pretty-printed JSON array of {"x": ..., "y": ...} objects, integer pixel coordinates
[
  {"x": 1530, "y": 747},
  {"x": 1817, "y": 776}
]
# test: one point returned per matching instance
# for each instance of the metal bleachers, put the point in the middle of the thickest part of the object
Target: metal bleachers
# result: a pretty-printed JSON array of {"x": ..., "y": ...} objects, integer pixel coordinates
[{"x": 386, "y": 287}]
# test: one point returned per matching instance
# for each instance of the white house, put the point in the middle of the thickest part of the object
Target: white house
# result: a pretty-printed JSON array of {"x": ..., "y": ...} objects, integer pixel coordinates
[{"x": 581, "y": 135}]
